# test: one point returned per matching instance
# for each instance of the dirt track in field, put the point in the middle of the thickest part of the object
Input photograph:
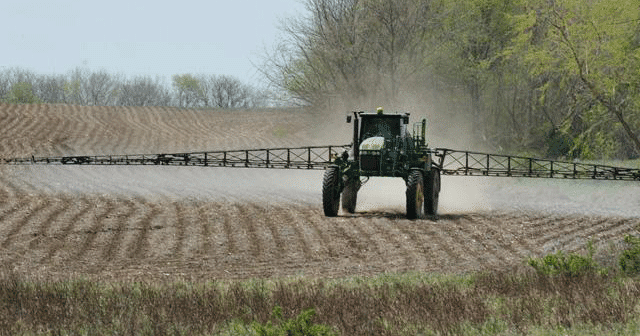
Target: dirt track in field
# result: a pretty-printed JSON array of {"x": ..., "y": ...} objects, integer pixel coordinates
[{"x": 165, "y": 223}]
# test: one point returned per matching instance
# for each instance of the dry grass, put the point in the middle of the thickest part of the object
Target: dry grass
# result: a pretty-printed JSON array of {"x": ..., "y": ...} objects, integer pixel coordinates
[{"x": 496, "y": 302}]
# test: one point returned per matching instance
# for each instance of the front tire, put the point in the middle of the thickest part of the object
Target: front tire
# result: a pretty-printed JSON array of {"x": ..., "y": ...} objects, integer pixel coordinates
[
  {"x": 415, "y": 195},
  {"x": 350, "y": 195},
  {"x": 331, "y": 191},
  {"x": 432, "y": 193}
]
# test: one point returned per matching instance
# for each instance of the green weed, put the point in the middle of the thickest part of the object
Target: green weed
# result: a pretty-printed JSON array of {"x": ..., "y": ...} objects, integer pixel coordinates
[
  {"x": 630, "y": 258},
  {"x": 562, "y": 264},
  {"x": 300, "y": 325}
]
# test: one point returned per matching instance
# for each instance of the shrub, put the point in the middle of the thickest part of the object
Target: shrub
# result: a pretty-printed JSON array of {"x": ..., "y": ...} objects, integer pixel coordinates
[
  {"x": 630, "y": 258},
  {"x": 561, "y": 264},
  {"x": 298, "y": 326}
]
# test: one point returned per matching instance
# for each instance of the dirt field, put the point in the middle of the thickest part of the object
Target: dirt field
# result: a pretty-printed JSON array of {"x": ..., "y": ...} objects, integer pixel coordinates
[{"x": 166, "y": 223}]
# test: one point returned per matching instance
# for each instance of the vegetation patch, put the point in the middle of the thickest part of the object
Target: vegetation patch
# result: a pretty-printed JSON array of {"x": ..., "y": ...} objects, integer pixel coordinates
[
  {"x": 570, "y": 265},
  {"x": 281, "y": 132},
  {"x": 489, "y": 303},
  {"x": 630, "y": 258}
]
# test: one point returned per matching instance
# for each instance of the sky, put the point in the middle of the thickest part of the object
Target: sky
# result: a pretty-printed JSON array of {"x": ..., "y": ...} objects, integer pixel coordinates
[{"x": 142, "y": 37}]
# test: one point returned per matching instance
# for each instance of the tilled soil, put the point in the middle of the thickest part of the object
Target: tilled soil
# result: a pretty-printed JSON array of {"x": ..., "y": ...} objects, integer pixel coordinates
[{"x": 150, "y": 223}]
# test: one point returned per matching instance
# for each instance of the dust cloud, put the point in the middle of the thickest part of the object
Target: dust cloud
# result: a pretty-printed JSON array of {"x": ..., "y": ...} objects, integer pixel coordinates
[
  {"x": 458, "y": 195},
  {"x": 448, "y": 126},
  {"x": 382, "y": 194},
  {"x": 464, "y": 195}
]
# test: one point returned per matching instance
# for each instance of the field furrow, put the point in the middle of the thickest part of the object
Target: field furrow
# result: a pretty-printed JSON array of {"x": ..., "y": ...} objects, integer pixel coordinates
[
  {"x": 82, "y": 207},
  {"x": 44, "y": 225},
  {"x": 177, "y": 223},
  {"x": 249, "y": 225},
  {"x": 310, "y": 241},
  {"x": 140, "y": 247},
  {"x": 85, "y": 235},
  {"x": 393, "y": 246},
  {"x": 119, "y": 230},
  {"x": 18, "y": 219}
]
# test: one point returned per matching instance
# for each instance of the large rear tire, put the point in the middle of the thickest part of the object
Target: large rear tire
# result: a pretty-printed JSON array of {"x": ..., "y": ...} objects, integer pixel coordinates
[
  {"x": 350, "y": 195},
  {"x": 432, "y": 193},
  {"x": 415, "y": 195},
  {"x": 331, "y": 191}
]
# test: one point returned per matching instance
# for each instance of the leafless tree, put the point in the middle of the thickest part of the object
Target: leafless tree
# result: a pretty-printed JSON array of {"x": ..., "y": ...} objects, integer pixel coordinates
[
  {"x": 397, "y": 36},
  {"x": 74, "y": 87},
  {"x": 324, "y": 54},
  {"x": 227, "y": 92},
  {"x": 143, "y": 91},
  {"x": 82, "y": 86},
  {"x": 100, "y": 88},
  {"x": 50, "y": 88},
  {"x": 5, "y": 85},
  {"x": 354, "y": 49}
]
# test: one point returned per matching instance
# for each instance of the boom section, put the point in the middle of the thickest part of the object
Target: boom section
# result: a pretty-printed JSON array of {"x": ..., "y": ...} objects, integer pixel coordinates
[
  {"x": 310, "y": 157},
  {"x": 466, "y": 163}
]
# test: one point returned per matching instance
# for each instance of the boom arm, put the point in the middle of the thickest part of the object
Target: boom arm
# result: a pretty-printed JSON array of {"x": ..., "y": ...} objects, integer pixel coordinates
[
  {"x": 455, "y": 162},
  {"x": 449, "y": 161}
]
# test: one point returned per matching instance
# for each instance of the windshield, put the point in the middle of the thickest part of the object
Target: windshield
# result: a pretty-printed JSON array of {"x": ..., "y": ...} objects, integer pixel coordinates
[{"x": 386, "y": 127}]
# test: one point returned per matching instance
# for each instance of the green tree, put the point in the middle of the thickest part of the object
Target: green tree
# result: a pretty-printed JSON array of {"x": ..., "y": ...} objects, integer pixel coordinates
[
  {"x": 187, "y": 89},
  {"x": 22, "y": 93},
  {"x": 470, "y": 45},
  {"x": 596, "y": 42}
]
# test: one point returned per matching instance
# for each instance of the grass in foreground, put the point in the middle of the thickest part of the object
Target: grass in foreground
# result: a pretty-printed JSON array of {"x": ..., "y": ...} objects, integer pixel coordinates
[
  {"x": 406, "y": 304},
  {"x": 560, "y": 294}
]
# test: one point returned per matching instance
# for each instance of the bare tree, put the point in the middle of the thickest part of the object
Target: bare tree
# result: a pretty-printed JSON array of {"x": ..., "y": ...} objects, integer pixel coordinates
[
  {"x": 84, "y": 87},
  {"x": 324, "y": 54},
  {"x": 229, "y": 92},
  {"x": 74, "y": 87},
  {"x": 5, "y": 85},
  {"x": 100, "y": 88},
  {"x": 205, "y": 83},
  {"x": 397, "y": 38},
  {"x": 350, "y": 49},
  {"x": 50, "y": 88},
  {"x": 143, "y": 91}
]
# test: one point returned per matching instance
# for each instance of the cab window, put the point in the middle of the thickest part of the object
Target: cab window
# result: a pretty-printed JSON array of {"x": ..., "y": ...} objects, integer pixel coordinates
[{"x": 388, "y": 128}]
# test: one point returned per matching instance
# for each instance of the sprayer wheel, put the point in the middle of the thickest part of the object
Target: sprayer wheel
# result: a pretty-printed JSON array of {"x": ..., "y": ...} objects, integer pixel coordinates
[
  {"x": 350, "y": 195},
  {"x": 331, "y": 191},
  {"x": 415, "y": 195},
  {"x": 432, "y": 193}
]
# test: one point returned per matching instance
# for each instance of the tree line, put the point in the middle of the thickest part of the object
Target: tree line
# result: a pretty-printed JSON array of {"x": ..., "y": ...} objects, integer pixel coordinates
[
  {"x": 558, "y": 77},
  {"x": 101, "y": 88}
]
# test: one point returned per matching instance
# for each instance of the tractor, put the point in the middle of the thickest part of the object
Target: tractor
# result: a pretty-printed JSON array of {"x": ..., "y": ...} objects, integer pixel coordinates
[{"x": 383, "y": 147}]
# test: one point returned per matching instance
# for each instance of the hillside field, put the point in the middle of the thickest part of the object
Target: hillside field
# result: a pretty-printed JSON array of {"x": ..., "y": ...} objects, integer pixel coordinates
[{"x": 160, "y": 223}]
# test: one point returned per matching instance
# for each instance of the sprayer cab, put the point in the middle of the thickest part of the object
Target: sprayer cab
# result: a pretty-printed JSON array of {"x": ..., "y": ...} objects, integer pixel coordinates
[{"x": 382, "y": 143}]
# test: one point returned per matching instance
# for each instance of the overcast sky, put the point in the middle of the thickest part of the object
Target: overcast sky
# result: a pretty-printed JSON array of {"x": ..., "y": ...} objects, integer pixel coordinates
[{"x": 141, "y": 37}]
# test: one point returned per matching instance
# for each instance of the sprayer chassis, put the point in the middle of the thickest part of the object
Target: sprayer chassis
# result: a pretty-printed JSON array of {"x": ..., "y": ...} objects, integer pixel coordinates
[{"x": 397, "y": 154}]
